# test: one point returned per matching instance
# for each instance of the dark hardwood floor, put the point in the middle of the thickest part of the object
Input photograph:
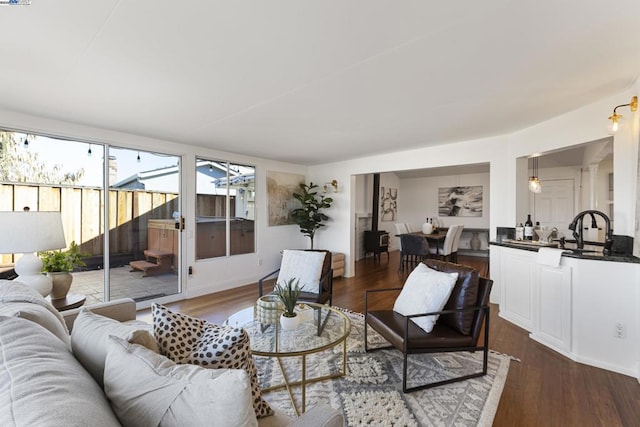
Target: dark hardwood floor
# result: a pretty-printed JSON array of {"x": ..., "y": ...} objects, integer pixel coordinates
[{"x": 543, "y": 389}]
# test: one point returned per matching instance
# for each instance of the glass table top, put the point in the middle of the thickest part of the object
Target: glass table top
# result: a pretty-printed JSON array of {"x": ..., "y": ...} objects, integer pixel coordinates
[{"x": 272, "y": 340}]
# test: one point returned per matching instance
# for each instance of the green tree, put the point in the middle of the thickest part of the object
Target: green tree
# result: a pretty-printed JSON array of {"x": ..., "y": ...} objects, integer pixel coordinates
[{"x": 18, "y": 164}]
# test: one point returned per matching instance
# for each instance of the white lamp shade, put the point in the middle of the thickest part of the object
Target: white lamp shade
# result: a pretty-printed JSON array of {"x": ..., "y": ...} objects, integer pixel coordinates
[
  {"x": 29, "y": 232},
  {"x": 24, "y": 232}
]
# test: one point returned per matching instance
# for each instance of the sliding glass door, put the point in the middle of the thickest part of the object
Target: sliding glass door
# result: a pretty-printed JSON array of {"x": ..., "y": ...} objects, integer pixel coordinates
[
  {"x": 144, "y": 224},
  {"x": 126, "y": 233}
]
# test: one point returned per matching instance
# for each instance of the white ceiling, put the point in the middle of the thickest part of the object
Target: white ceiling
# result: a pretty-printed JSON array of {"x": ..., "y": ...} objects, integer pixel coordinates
[{"x": 314, "y": 81}]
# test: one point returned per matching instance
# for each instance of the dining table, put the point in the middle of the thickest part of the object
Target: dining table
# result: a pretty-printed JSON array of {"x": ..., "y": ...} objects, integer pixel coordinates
[{"x": 436, "y": 237}]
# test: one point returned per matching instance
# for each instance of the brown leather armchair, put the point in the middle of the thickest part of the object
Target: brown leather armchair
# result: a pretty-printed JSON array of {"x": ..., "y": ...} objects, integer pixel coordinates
[{"x": 457, "y": 329}]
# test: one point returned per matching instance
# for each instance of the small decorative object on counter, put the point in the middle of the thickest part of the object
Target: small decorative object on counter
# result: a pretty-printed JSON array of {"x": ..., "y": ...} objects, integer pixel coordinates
[
  {"x": 427, "y": 227},
  {"x": 520, "y": 232},
  {"x": 528, "y": 228}
]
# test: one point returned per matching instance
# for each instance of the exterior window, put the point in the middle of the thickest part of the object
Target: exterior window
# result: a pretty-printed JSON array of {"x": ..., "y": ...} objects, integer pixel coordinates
[
  {"x": 119, "y": 205},
  {"x": 225, "y": 209}
]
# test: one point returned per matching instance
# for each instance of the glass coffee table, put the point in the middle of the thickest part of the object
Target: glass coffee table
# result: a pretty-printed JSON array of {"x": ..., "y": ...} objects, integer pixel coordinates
[{"x": 272, "y": 341}]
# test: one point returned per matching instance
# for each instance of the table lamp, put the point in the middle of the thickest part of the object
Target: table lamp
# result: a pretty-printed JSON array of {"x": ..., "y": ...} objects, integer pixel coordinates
[{"x": 27, "y": 233}]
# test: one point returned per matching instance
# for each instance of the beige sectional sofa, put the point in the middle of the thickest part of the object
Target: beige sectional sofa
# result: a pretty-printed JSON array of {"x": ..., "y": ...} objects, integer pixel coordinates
[{"x": 43, "y": 381}]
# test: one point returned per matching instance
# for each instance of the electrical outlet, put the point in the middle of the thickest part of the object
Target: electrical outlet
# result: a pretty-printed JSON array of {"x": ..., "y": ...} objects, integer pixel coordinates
[{"x": 620, "y": 331}]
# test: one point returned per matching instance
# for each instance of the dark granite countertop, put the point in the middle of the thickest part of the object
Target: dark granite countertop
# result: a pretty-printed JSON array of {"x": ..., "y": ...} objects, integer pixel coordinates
[{"x": 590, "y": 254}]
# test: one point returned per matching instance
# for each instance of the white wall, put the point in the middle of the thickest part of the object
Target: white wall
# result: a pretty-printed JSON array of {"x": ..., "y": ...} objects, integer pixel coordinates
[{"x": 586, "y": 124}]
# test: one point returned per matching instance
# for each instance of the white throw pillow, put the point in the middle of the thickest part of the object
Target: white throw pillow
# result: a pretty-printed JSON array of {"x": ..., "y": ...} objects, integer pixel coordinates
[
  {"x": 306, "y": 266},
  {"x": 425, "y": 291},
  {"x": 90, "y": 334},
  {"x": 189, "y": 340},
  {"x": 147, "y": 389}
]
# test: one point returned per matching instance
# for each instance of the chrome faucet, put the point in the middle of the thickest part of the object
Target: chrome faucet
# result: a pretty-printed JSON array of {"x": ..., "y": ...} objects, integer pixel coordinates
[{"x": 577, "y": 229}]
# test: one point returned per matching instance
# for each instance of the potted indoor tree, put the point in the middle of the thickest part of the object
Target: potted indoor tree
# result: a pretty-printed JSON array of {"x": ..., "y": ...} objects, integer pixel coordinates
[
  {"x": 288, "y": 294},
  {"x": 309, "y": 216},
  {"x": 58, "y": 265}
]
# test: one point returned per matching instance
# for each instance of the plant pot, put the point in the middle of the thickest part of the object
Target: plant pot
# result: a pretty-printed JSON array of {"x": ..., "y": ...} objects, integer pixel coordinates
[
  {"x": 61, "y": 282},
  {"x": 289, "y": 323},
  {"x": 268, "y": 309}
]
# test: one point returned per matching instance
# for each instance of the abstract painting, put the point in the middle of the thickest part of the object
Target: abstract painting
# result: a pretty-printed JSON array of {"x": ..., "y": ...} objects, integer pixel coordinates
[
  {"x": 388, "y": 204},
  {"x": 280, "y": 189},
  {"x": 460, "y": 201}
]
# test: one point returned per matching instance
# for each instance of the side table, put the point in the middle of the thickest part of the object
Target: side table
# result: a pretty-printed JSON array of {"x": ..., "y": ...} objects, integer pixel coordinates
[{"x": 69, "y": 302}]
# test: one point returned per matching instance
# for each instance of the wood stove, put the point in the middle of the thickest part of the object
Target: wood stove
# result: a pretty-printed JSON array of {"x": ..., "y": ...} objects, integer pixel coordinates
[{"x": 376, "y": 241}]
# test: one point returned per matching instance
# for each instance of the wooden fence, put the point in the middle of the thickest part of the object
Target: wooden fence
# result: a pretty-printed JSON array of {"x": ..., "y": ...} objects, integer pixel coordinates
[{"x": 82, "y": 211}]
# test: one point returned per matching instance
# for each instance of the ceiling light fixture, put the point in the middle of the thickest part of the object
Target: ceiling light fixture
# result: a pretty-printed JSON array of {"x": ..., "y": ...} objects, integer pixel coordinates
[
  {"x": 535, "y": 186},
  {"x": 89, "y": 152},
  {"x": 615, "y": 117},
  {"x": 138, "y": 158}
]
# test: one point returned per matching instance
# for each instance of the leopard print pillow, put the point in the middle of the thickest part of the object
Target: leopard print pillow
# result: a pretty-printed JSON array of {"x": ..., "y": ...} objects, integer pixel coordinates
[{"x": 188, "y": 340}]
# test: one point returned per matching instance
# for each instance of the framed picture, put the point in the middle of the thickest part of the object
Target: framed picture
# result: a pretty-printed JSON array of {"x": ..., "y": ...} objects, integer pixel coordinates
[
  {"x": 280, "y": 189},
  {"x": 460, "y": 201},
  {"x": 388, "y": 204}
]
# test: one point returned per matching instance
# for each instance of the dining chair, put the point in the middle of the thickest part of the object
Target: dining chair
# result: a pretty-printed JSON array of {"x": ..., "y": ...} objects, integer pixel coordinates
[
  {"x": 456, "y": 242},
  {"x": 413, "y": 250},
  {"x": 446, "y": 252},
  {"x": 401, "y": 228}
]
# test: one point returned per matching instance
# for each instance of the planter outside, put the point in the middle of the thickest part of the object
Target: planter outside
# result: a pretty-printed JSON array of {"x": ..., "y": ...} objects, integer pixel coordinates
[
  {"x": 289, "y": 323},
  {"x": 61, "y": 283}
]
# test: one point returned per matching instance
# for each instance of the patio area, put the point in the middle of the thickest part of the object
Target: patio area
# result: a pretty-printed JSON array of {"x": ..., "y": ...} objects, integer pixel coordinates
[{"x": 124, "y": 283}]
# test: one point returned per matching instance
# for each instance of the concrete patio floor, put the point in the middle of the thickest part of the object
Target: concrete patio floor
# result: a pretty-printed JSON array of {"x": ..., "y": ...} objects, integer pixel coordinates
[{"x": 124, "y": 283}]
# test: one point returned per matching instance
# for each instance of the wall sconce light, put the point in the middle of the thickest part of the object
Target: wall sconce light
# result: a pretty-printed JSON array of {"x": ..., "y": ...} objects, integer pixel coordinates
[
  {"x": 330, "y": 185},
  {"x": 535, "y": 186},
  {"x": 615, "y": 117}
]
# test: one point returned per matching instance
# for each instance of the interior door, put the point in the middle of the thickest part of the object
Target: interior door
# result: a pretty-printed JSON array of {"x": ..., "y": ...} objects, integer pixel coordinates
[{"x": 554, "y": 206}]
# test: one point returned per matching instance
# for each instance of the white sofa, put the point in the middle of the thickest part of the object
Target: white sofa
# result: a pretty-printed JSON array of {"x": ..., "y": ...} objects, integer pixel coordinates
[{"x": 42, "y": 382}]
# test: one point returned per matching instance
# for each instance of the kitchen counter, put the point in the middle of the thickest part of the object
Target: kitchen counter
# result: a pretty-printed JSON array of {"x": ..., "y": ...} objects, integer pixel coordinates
[
  {"x": 584, "y": 307},
  {"x": 589, "y": 252}
]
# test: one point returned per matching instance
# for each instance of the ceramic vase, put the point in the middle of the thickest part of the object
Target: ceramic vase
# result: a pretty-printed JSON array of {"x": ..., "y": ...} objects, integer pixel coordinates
[
  {"x": 475, "y": 242},
  {"x": 61, "y": 282},
  {"x": 427, "y": 228},
  {"x": 289, "y": 323}
]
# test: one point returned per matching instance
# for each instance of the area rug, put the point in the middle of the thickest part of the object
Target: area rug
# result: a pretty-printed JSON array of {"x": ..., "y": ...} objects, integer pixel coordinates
[{"x": 371, "y": 392}]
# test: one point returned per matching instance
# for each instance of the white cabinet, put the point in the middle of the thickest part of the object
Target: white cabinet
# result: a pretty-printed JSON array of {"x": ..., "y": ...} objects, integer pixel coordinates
[
  {"x": 552, "y": 307},
  {"x": 516, "y": 286},
  {"x": 584, "y": 309}
]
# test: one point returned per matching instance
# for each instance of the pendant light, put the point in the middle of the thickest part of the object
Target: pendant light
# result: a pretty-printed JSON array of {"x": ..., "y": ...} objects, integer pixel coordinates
[{"x": 535, "y": 186}]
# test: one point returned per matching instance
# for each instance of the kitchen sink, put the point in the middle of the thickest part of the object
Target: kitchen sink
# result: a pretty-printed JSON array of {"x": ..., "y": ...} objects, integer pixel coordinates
[{"x": 583, "y": 251}]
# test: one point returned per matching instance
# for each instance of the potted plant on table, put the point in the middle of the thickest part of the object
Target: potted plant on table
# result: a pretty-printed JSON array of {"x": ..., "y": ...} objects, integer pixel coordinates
[
  {"x": 58, "y": 265},
  {"x": 288, "y": 294}
]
